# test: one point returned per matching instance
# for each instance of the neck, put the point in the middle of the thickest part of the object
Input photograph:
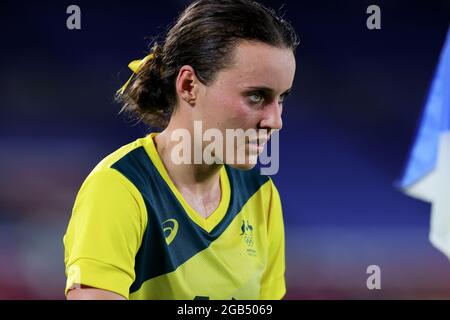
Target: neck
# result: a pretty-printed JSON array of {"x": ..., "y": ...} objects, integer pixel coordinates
[{"x": 198, "y": 180}]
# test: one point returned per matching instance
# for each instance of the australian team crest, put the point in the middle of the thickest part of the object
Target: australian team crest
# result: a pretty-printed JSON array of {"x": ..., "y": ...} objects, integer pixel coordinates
[{"x": 248, "y": 233}]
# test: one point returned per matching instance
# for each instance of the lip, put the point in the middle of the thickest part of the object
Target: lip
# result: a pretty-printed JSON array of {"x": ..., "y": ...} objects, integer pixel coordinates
[
  {"x": 259, "y": 147},
  {"x": 259, "y": 141}
]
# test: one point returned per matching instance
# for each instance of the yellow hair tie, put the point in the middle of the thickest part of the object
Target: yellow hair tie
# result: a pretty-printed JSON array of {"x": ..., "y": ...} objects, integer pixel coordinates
[{"x": 135, "y": 66}]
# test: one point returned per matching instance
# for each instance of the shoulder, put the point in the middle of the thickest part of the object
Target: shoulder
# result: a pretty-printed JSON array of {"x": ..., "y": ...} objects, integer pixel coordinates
[
  {"x": 123, "y": 152},
  {"x": 107, "y": 195},
  {"x": 105, "y": 180},
  {"x": 126, "y": 165}
]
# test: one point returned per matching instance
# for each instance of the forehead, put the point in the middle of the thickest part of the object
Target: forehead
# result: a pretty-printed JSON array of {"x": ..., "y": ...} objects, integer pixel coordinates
[{"x": 256, "y": 64}]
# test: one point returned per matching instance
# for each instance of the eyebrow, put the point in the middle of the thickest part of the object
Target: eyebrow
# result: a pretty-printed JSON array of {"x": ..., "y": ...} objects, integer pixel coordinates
[{"x": 269, "y": 90}]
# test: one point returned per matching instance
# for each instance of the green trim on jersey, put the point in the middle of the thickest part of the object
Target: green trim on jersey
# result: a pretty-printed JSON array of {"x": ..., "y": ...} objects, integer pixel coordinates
[{"x": 237, "y": 252}]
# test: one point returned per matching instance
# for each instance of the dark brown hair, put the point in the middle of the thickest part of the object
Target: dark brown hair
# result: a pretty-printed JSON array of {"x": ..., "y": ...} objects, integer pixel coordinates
[{"x": 203, "y": 37}]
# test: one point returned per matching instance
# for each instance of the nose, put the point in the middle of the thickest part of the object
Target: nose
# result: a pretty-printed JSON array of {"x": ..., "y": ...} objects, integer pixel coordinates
[{"x": 271, "y": 118}]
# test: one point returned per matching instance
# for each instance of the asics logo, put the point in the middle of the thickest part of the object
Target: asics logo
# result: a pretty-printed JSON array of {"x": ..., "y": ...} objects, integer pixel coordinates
[{"x": 170, "y": 229}]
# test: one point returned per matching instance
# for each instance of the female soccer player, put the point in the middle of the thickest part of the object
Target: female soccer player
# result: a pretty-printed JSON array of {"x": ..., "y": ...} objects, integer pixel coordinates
[{"x": 147, "y": 226}]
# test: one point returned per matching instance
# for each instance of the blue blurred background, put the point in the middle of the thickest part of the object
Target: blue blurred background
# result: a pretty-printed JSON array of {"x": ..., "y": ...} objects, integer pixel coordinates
[{"x": 348, "y": 127}]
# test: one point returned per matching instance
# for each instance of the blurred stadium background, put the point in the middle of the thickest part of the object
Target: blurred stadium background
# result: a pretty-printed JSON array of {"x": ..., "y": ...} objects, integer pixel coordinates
[{"x": 348, "y": 127}]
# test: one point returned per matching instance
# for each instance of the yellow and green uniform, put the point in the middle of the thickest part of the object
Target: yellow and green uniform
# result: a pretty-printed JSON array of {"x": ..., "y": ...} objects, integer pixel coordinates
[{"x": 132, "y": 233}]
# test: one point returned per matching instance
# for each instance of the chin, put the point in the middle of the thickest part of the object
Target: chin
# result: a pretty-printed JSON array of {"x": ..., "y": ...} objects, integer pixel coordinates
[
  {"x": 243, "y": 166},
  {"x": 244, "y": 158}
]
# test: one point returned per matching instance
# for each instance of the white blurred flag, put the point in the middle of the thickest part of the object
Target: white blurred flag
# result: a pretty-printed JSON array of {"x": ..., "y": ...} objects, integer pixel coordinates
[{"x": 427, "y": 174}]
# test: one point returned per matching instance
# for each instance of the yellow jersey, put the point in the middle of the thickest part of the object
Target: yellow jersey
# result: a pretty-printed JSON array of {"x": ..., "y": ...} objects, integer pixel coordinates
[{"x": 132, "y": 232}]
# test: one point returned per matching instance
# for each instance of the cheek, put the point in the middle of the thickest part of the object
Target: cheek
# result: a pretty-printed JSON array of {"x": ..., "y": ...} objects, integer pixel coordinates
[
  {"x": 225, "y": 110},
  {"x": 236, "y": 113}
]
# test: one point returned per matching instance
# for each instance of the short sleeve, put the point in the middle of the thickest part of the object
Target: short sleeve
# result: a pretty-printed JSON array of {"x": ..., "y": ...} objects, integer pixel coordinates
[
  {"x": 104, "y": 233},
  {"x": 273, "y": 284}
]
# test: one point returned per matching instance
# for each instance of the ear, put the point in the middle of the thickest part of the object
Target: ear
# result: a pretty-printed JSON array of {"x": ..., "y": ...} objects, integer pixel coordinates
[{"x": 187, "y": 85}]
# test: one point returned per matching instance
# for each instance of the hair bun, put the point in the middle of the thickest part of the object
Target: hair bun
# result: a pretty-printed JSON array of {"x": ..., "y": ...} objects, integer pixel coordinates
[{"x": 145, "y": 96}]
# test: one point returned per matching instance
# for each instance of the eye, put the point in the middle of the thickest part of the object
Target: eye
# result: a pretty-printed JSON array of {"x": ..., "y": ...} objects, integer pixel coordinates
[
  {"x": 255, "y": 98},
  {"x": 282, "y": 98}
]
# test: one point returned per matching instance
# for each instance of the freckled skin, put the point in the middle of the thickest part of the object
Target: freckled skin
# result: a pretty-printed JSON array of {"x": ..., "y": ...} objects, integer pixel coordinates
[{"x": 224, "y": 104}]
